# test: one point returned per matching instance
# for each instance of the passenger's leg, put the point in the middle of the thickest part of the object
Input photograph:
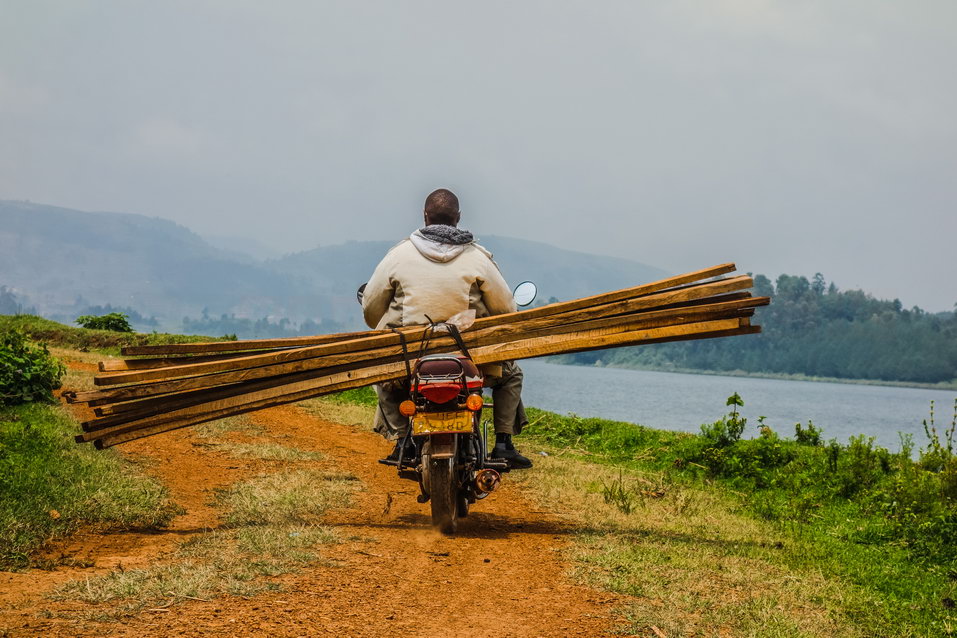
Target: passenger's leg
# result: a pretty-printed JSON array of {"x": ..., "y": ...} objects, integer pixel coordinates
[
  {"x": 389, "y": 422},
  {"x": 508, "y": 414}
]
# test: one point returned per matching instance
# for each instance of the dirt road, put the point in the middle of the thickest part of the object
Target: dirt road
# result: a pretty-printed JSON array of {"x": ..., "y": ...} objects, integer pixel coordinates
[{"x": 501, "y": 575}]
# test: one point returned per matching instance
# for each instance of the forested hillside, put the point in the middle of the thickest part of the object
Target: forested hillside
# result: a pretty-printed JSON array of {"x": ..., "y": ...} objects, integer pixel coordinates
[{"x": 813, "y": 328}]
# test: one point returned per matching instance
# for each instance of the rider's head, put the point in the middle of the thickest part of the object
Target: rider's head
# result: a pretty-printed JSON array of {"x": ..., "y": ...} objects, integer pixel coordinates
[{"x": 442, "y": 207}]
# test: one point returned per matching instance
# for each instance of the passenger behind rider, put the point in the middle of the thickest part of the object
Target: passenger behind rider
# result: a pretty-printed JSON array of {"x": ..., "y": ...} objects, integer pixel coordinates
[{"x": 440, "y": 271}]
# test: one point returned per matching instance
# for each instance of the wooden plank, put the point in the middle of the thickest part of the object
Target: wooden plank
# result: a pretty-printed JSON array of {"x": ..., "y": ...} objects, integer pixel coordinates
[
  {"x": 109, "y": 440},
  {"x": 93, "y": 402},
  {"x": 520, "y": 349},
  {"x": 209, "y": 347},
  {"x": 487, "y": 337},
  {"x": 566, "y": 306},
  {"x": 612, "y": 324},
  {"x": 351, "y": 346},
  {"x": 122, "y": 365},
  {"x": 115, "y": 438}
]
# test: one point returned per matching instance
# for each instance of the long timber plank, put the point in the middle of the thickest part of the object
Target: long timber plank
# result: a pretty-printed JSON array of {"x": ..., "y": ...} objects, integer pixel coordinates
[
  {"x": 357, "y": 345},
  {"x": 521, "y": 349},
  {"x": 565, "y": 306},
  {"x": 104, "y": 440}
]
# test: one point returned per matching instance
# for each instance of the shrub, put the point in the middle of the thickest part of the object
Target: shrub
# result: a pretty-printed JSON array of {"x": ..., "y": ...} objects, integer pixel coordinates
[
  {"x": 114, "y": 321},
  {"x": 727, "y": 430},
  {"x": 28, "y": 372},
  {"x": 809, "y": 436},
  {"x": 864, "y": 466},
  {"x": 938, "y": 452}
]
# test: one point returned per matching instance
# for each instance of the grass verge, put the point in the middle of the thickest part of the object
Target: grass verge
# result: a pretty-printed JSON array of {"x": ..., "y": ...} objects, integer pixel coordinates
[
  {"x": 271, "y": 528},
  {"x": 54, "y": 333},
  {"x": 868, "y": 528},
  {"x": 49, "y": 486}
]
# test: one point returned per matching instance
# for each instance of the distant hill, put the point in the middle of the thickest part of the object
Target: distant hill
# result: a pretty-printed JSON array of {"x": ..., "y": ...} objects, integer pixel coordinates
[{"x": 62, "y": 262}]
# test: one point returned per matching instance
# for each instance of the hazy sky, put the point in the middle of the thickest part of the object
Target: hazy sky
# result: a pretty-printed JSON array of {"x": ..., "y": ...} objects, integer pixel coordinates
[{"x": 786, "y": 136}]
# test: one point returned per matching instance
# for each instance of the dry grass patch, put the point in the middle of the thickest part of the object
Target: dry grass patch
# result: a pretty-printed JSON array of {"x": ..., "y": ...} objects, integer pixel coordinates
[
  {"x": 691, "y": 563},
  {"x": 267, "y": 452},
  {"x": 298, "y": 496},
  {"x": 234, "y": 424},
  {"x": 271, "y": 530},
  {"x": 338, "y": 411},
  {"x": 237, "y": 562}
]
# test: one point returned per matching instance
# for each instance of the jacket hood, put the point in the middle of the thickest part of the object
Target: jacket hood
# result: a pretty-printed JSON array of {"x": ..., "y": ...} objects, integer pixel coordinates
[{"x": 435, "y": 250}]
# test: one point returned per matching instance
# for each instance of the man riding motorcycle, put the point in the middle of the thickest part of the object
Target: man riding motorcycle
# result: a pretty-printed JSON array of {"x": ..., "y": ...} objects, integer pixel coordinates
[{"x": 432, "y": 275}]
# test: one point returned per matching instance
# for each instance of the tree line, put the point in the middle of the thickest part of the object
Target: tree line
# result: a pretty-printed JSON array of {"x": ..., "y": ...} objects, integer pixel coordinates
[{"x": 815, "y": 329}]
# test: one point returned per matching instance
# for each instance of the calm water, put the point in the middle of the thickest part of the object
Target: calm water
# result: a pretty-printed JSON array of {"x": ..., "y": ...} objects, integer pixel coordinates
[{"x": 685, "y": 401}]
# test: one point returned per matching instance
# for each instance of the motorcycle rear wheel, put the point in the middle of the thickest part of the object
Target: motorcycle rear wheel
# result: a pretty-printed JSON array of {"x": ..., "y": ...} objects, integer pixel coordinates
[
  {"x": 462, "y": 504},
  {"x": 444, "y": 493}
]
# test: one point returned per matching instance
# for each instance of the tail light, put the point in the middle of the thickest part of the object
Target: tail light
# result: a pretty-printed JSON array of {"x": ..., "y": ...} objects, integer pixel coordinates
[
  {"x": 407, "y": 408},
  {"x": 440, "y": 392}
]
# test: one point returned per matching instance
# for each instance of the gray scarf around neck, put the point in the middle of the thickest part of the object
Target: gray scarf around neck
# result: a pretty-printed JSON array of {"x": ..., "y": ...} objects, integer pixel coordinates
[{"x": 447, "y": 234}]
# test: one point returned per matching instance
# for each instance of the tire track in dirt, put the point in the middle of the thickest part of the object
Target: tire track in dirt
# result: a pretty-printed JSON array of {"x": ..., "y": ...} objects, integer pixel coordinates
[{"x": 501, "y": 575}]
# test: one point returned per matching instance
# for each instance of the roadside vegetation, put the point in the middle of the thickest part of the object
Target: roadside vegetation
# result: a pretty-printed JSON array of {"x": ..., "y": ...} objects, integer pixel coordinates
[
  {"x": 49, "y": 486},
  {"x": 882, "y": 524},
  {"x": 107, "y": 341}
]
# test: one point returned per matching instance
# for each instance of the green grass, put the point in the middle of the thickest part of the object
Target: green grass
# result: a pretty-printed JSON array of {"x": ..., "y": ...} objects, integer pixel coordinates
[
  {"x": 271, "y": 528},
  {"x": 50, "y": 486},
  {"x": 879, "y": 522},
  {"x": 53, "y": 333}
]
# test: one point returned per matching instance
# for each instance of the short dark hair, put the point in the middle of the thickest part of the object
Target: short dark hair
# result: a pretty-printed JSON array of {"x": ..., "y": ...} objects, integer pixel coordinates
[{"x": 442, "y": 207}]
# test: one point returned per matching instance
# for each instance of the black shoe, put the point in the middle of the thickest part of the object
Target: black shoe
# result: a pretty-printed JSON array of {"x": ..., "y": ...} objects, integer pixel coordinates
[
  {"x": 510, "y": 455},
  {"x": 393, "y": 458}
]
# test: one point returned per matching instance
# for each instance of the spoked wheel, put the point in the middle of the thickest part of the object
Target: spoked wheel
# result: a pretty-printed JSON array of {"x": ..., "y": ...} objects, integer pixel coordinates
[{"x": 444, "y": 494}]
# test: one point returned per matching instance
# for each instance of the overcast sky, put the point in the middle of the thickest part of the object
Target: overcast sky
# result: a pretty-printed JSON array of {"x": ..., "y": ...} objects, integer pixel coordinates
[{"x": 785, "y": 136}]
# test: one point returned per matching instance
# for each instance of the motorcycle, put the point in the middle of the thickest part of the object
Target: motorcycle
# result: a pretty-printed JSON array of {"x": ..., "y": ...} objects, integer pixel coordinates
[{"x": 447, "y": 441}]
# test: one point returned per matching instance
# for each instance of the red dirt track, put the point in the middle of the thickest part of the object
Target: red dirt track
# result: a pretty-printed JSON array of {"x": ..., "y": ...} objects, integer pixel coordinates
[{"x": 501, "y": 575}]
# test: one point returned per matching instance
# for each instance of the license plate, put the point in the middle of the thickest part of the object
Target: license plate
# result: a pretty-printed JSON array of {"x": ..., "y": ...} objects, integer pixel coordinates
[{"x": 431, "y": 422}]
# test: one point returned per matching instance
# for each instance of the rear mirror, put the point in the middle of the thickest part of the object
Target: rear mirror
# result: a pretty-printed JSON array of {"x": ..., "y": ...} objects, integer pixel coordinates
[
  {"x": 525, "y": 293},
  {"x": 360, "y": 293}
]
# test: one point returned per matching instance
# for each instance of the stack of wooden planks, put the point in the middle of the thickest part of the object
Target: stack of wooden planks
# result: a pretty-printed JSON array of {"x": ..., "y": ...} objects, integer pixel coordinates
[{"x": 180, "y": 385}]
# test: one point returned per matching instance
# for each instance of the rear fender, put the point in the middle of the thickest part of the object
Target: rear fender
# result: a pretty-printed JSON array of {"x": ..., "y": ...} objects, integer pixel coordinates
[{"x": 443, "y": 446}]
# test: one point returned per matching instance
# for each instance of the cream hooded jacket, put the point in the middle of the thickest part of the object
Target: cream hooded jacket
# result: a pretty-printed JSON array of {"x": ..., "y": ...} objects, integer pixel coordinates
[{"x": 421, "y": 276}]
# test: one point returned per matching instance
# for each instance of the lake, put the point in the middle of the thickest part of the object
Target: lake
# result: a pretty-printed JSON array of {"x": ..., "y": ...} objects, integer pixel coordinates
[{"x": 677, "y": 401}]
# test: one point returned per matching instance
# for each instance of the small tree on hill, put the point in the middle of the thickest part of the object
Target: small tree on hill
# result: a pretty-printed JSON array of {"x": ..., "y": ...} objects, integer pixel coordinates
[{"x": 115, "y": 321}]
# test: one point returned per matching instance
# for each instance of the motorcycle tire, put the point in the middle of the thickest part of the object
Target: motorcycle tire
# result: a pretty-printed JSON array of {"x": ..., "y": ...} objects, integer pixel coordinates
[
  {"x": 444, "y": 493},
  {"x": 462, "y": 504}
]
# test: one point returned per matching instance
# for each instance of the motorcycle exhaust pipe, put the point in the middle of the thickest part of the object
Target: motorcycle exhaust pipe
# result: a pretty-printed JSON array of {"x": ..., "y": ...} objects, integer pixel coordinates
[{"x": 487, "y": 480}]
